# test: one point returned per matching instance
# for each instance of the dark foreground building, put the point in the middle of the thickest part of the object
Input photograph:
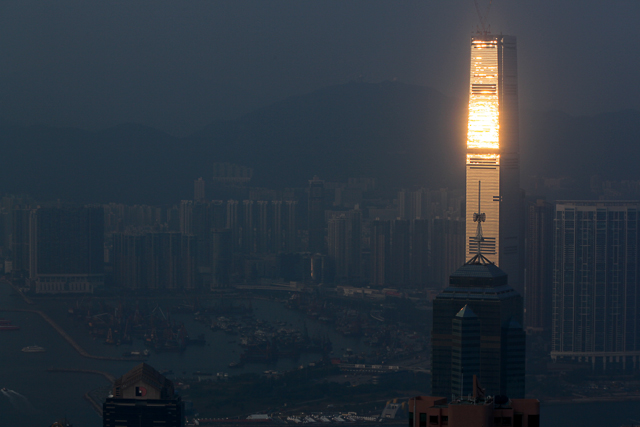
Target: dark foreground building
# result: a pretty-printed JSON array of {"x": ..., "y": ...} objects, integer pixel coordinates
[
  {"x": 473, "y": 412},
  {"x": 477, "y": 330},
  {"x": 143, "y": 398}
]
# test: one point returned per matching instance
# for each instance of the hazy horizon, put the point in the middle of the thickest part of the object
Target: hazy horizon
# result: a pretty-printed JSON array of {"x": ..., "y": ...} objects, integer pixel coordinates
[{"x": 178, "y": 66}]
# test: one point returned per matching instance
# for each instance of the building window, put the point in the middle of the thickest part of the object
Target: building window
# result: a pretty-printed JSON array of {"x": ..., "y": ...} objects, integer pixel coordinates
[
  {"x": 433, "y": 419},
  {"x": 423, "y": 420},
  {"x": 411, "y": 419},
  {"x": 517, "y": 420},
  {"x": 445, "y": 420}
]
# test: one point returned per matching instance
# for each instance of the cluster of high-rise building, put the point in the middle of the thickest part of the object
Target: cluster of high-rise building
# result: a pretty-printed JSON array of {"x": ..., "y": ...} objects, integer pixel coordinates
[{"x": 56, "y": 249}]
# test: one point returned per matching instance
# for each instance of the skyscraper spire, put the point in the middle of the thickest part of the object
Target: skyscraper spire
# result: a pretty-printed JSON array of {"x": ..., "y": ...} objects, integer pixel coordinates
[{"x": 479, "y": 217}]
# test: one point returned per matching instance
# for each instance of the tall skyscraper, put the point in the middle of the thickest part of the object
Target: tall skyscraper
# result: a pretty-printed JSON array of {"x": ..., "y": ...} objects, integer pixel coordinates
[
  {"x": 492, "y": 154},
  {"x": 596, "y": 278},
  {"x": 477, "y": 330},
  {"x": 539, "y": 265}
]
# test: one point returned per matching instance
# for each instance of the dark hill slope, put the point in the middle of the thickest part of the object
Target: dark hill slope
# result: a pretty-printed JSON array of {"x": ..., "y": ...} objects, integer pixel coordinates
[{"x": 403, "y": 135}]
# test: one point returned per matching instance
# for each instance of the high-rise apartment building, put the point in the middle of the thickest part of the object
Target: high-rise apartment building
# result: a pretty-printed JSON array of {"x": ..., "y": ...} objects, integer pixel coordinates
[
  {"x": 198, "y": 189},
  {"x": 539, "y": 265},
  {"x": 344, "y": 245},
  {"x": 493, "y": 172},
  {"x": 316, "y": 220},
  {"x": 67, "y": 249},
  {"x": 596, "y": 298},
  {"x": 447, "y": 248}
]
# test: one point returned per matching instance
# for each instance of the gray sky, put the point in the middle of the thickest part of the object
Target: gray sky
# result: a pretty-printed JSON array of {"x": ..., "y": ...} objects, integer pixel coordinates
[{"x": 177, "y": 65}]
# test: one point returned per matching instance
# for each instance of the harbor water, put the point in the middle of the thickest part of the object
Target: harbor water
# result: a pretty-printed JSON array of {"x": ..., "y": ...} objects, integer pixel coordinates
[{"x": 34, "y": 396}]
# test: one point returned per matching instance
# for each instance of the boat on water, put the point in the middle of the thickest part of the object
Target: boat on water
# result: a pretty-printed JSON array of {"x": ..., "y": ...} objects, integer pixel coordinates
[
  {"x": 5, "y": 325},
  {"x": 33, "y": 349},
  {"x": 136, "y": 353},
  {"x": 4, "y": 389}
]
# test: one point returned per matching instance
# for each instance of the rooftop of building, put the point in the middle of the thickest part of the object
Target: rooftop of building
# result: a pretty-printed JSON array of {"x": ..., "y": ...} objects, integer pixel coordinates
[
  {"x": 149, "y": 375},
  {"x": 466, "y": 312},
  {"x": 479, "y": 271}
]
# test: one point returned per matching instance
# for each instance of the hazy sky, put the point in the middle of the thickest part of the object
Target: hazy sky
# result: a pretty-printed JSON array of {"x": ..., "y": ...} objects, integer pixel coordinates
[{"x": 177, "y": 65}]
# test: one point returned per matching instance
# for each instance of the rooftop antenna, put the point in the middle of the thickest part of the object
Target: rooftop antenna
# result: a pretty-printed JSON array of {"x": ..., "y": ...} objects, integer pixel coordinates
[
  {"x": 484, "y": 29},
  {"x": 479, "y": 217}
]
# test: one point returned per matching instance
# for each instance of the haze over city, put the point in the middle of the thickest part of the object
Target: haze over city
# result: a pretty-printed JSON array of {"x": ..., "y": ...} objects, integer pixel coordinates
[
  {"x": 361, "y": 212},
  {"x": 177, "y": 66}
]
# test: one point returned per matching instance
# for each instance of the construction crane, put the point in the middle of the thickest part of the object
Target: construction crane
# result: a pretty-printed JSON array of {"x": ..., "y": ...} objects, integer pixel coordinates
[{"x": 484, "y": 27}]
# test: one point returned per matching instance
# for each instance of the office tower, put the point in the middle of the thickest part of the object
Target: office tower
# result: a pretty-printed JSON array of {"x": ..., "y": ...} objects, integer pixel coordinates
[
  {"x": 596, "y": 316},
  {"x": 198, "y": 190},
  {"x": 316, "y": 222},
  {"x": 67, "y": 250},
  {"x": 492, "y": 154},
  {"x": 539, "y": 265},
  {"x": 143, "y": 398},
  {"x": 482, "y": 288},
  {"x": 465, "y": 351}
]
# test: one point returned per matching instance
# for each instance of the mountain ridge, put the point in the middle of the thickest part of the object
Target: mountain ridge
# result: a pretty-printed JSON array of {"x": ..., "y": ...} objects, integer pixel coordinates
[{"x": 403, "y": 135}]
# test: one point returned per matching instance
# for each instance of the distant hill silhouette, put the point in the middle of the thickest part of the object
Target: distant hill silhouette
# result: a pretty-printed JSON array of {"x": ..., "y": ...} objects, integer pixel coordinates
[{"x": 404, "y": 135}]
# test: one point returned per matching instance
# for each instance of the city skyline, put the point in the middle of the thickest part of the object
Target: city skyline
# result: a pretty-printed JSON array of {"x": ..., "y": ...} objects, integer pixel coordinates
[{"x": 313, "y": 208}]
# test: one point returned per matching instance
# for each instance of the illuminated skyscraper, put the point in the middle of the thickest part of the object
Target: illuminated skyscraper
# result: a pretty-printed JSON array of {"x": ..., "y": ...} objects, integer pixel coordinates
[{"x": 492, "y": 154}]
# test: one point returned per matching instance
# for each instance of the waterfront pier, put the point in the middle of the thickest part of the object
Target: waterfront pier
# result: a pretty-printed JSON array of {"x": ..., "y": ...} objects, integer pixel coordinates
[{"x": 70, "y": 340}]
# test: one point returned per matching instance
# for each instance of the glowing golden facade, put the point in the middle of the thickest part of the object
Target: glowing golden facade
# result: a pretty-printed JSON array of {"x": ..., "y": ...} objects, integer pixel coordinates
[
  {"x": 492, "y": 155},
  {"x": 484, "y": 124}
]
